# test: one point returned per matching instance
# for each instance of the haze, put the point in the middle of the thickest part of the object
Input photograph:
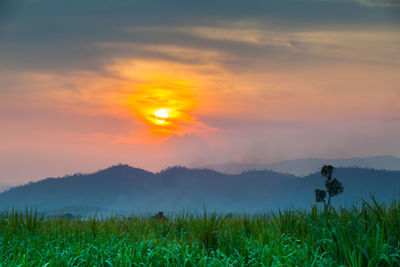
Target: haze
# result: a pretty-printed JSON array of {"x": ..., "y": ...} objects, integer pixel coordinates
[{"x": 82, "y": 83}]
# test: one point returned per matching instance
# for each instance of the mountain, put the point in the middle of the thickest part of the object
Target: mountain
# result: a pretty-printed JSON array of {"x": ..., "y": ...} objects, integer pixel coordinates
[
  {"x": 302, "y": 167},
  {"x": 99, "y": 189},
  {"x": 123, "y": 189}
]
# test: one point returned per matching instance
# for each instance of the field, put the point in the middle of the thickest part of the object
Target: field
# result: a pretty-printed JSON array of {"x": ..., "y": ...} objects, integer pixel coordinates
[{"x": 364, "y": 235}]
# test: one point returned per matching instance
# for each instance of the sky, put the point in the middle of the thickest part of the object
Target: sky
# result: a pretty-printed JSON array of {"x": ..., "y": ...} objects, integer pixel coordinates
[{"x": 89, "y": 84}]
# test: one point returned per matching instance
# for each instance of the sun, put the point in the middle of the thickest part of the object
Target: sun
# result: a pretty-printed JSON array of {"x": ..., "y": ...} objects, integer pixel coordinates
[
  {"x": 164, "y": 106},
  {"x": 161, "y": 115}
]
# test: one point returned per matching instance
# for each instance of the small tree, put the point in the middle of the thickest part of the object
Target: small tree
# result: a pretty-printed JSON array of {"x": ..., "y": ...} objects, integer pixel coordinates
[{"x": 333, "y": 186}]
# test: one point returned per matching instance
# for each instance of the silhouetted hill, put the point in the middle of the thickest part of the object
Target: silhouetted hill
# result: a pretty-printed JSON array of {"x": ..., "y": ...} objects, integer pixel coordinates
[
  {"x": 97, "y": 189},
  {"x": 302, "y": 167},
  {"x": 123, "y": 189}
]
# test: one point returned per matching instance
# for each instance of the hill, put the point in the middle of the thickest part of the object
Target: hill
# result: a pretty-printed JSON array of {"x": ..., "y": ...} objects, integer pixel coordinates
[
  {"x": 302, "y": 167},
  {"x": 124, "y": 189}
]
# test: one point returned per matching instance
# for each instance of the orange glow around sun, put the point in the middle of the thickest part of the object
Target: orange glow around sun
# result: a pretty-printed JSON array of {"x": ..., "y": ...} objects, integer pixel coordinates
[{"x": 164, "y": 106}]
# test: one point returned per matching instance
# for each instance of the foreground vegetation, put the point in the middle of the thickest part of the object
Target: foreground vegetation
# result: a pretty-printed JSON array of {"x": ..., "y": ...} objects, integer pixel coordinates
[{"x": 367, "y": 235}]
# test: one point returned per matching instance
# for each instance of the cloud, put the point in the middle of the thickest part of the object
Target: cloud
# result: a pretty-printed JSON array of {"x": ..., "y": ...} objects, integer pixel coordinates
[
  {"x": 64, "y": 33},
  {"x": 232, "y": 33},
  {"x": 382, "y": 3}
]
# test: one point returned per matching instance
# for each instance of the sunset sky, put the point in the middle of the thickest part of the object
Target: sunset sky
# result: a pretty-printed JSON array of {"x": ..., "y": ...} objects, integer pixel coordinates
[{"x": 88, "y": 84}]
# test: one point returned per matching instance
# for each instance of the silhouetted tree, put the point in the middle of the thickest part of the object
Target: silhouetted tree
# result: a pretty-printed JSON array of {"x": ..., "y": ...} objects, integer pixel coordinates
[
  {"x": 332, "y": 185},
  {"x": 320, "y": 195}
]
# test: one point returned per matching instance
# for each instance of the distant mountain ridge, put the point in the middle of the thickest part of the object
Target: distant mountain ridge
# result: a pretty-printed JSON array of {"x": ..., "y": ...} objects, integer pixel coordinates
[
  {"x": 306, "y": 166},
  {"x": 122, "y": 189}
]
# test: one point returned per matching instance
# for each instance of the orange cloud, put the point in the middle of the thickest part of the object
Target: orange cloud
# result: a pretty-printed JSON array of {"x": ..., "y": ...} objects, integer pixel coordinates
[{"x": 164, "y": 95}]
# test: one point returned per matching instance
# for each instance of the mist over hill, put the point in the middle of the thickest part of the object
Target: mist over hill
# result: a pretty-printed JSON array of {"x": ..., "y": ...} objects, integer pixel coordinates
[
  {"x": 5, "y": 186},
  {"x": 306, "y": 166},
  {"x": 124, "y": 189}
]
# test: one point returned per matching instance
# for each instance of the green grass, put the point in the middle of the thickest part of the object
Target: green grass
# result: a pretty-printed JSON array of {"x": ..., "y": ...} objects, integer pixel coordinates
[{"x": 367, "y": 235}]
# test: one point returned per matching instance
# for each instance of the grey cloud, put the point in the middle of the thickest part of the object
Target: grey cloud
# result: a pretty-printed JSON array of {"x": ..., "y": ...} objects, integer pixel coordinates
[
  {"x": 53, "y": 33},
  {"x": 381, "y": 3}
]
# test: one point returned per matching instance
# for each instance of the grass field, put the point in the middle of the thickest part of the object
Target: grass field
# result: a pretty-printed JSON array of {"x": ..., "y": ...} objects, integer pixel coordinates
[{"x": 367, "y": 235}]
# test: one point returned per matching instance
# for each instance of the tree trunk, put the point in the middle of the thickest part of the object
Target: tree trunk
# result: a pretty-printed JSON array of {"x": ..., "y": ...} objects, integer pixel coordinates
[{"x": 329, "y": 199}]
